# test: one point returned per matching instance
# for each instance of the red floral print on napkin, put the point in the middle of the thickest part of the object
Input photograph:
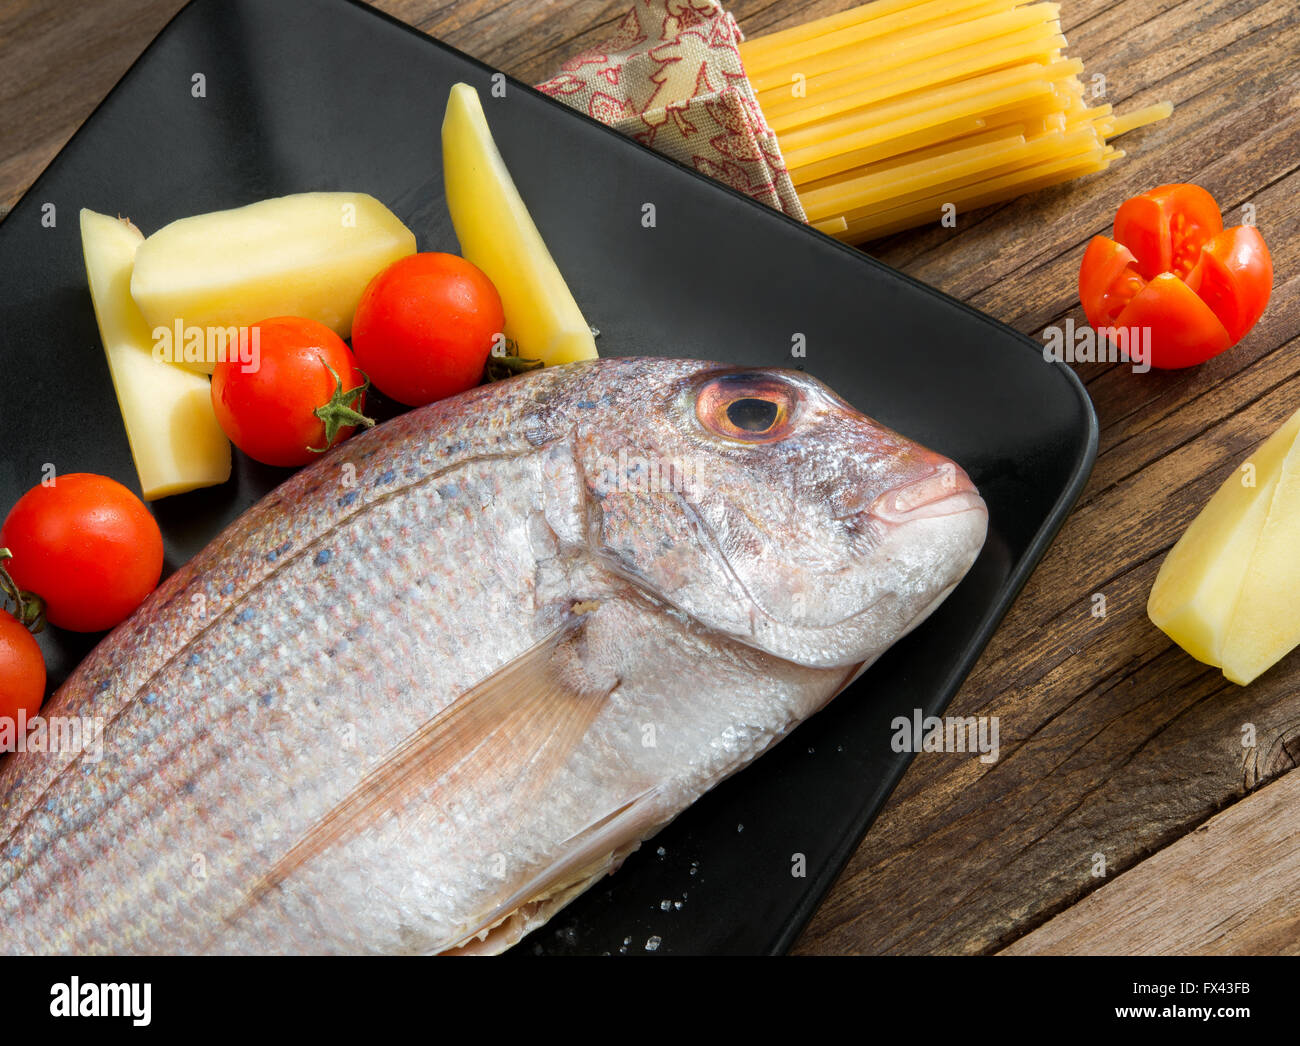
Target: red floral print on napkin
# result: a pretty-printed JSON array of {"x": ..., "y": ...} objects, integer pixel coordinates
[{"x": 671, "y": 77}]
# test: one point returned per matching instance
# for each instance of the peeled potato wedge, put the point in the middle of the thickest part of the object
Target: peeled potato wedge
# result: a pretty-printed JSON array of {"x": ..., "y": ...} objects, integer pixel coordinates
[
  {"x": 310, "y": 255},
  {"x": 175, "y": 439},
  {"x": 497, "y": 234},
  {"x": 1213, "y": 592},
  {"x": 1266, "y": 623}
]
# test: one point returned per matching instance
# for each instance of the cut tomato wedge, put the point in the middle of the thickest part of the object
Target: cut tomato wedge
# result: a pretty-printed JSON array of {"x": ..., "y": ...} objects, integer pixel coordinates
[
  {"x": 1183, "y": 330},
  {"x": 1166, "y": 228},
  {"x": 1234, "y": 277},
  {"x": 1108, "y": 280}
]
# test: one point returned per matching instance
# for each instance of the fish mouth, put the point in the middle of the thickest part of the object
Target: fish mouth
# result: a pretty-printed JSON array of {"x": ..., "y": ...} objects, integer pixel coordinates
[{"x": 945, "y": 491}]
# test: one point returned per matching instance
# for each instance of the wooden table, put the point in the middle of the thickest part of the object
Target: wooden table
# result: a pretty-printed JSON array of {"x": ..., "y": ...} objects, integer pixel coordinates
[{"x": 1125, "y": 813}]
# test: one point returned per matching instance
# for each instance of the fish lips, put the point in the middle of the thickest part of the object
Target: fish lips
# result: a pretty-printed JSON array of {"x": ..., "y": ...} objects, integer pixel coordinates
[{"x": 946, "y": 491}]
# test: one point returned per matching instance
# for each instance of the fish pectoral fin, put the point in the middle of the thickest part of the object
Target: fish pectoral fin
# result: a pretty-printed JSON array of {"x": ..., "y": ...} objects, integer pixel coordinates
[{"x": 518, "y": 725}]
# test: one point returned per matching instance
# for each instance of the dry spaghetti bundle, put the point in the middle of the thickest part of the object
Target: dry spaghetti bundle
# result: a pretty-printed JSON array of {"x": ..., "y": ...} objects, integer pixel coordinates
[{"x": 890, "y": 111}]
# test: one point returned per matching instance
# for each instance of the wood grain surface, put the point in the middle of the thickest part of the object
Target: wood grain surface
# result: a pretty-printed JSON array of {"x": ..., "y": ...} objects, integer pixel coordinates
[
  {"x": 1116, "y": 746},
  {"x": 1228, "y": 887}
]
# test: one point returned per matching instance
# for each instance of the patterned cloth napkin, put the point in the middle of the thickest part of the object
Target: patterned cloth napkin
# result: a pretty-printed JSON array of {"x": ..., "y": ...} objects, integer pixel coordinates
[{"x": 671, "y": 78}]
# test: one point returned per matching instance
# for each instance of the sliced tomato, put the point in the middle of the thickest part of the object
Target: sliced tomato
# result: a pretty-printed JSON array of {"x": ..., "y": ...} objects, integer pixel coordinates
[
  {"x": 1175, "y": 276},
  {"x": 1108, "y": 280},
  {"x": 1166, "y": 228},
  {"x": 1234, "y": 277},
  {"x": 1183, "y": 330}
]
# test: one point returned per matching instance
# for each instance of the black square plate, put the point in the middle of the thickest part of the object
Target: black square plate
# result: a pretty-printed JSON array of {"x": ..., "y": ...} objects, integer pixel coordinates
[{"x": 329, "y": 95}]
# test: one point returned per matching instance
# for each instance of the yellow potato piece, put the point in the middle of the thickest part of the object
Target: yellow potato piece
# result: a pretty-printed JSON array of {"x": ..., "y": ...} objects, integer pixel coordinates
[
  {"x": 1197, "y": 591},
  {"x": 1266, "y": 624},
  {"x": 175, "y": 439},
  {"x": 310, "y": 255},
  {"x": 497, "y": 234}
]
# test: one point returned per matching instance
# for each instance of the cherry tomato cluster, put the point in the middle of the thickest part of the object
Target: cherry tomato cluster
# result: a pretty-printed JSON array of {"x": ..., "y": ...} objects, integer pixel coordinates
[{"x": 422, "y": 331}]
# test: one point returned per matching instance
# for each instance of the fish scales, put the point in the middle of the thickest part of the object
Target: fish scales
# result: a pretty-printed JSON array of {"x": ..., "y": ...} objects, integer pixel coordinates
[
  {"x": 240, "y": 688},
  {"x": 276, "y": 673}
]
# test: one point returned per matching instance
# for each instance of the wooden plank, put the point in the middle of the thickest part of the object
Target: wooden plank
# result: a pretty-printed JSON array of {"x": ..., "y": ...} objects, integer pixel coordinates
[{"x": 1231, "y": 887}]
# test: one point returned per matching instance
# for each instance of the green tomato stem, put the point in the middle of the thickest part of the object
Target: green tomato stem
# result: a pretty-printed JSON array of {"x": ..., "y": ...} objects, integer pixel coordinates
[
  {"x": 340, "y": 412},
  {"x": 29, "y": 608}
]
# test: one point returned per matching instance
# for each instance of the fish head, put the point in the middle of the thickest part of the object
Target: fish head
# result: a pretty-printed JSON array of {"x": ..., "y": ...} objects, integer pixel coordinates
[{"x": 762, "y": 505}]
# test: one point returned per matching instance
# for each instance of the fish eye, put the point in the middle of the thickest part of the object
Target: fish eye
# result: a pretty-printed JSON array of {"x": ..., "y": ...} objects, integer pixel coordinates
[
  {"x": 747, "y": 407},
  {"x": 753, "y": 415}
]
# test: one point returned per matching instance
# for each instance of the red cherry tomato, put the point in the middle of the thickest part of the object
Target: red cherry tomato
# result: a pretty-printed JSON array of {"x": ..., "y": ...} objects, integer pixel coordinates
[
  {"x": 22, "y": 670},
  {"x": 87, "y": 546},
  {"x": 304, "y": 395},
  {"x": 425, "y": 326},
  {"x": 1197, "y": 287}
]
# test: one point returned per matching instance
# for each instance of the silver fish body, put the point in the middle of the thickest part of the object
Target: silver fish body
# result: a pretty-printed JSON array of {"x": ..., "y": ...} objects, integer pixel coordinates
[{"x": 439, "y": 682}]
